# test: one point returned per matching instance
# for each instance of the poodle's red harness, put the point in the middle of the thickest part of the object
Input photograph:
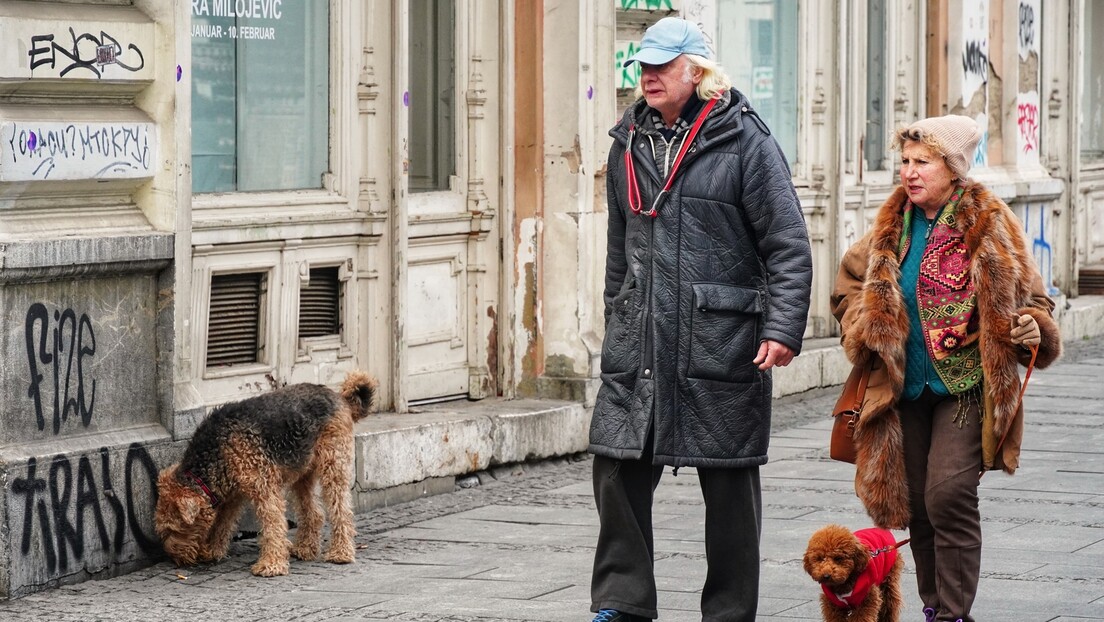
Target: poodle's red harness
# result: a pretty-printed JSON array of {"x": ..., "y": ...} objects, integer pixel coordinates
[{"x": 883, "y": 553}]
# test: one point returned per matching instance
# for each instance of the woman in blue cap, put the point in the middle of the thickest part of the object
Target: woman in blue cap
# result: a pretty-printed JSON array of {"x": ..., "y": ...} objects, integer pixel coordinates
[{"x": 708, "y": 273}]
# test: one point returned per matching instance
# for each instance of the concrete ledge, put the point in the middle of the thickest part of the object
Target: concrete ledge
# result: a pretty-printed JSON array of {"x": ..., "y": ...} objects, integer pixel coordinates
[
  {"x": 79, "y": 507},
  {"x": 1081, "y": 318},
  {"x": 53, "y": 259},
  {"x": 454, "y": 439},
  {"x": 821, "y": 364},
  {"x": 367, "y": 500}
]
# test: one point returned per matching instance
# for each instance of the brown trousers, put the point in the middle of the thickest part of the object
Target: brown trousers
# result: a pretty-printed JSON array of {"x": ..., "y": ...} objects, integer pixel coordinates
[{"x": 942, "y": 463}]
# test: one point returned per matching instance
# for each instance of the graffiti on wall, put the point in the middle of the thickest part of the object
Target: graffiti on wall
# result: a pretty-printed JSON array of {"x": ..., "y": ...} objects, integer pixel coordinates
[
  {"x": 704, "y": 15},
  {"x": 650, "y": 5},
  {"x": 1027, "y": 120},
  {"x": 975, "y": 48},
  {"x": 66, "y": 151},
  {"x": 1026, "y": 28},
  {"x": 975, "y": 61},
  {"x": 1039, "y": 235},
  {"x": 627, "y": 77},
  {"x": 87, "y": 53},
  {"x": 58, "y": 351},
  {"x": 981, "y": 155},
  {"x": 68, "y": 509}
]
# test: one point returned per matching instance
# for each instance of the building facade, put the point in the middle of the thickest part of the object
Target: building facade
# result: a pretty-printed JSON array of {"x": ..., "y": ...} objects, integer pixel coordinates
[{"x": 206, "y": 199}]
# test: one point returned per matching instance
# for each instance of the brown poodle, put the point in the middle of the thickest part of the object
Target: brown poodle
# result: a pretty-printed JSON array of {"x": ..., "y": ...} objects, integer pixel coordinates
[
  {"x": 254, "y": 450},
  {"x": 859, "y": 573}
]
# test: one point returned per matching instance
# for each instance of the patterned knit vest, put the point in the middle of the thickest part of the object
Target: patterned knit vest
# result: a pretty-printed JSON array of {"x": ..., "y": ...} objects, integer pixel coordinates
[{"x": 947, "y": 300}]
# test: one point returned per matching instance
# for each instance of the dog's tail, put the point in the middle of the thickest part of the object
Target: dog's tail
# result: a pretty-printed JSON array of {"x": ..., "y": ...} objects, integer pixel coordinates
[{"x": 359, "y": 392}]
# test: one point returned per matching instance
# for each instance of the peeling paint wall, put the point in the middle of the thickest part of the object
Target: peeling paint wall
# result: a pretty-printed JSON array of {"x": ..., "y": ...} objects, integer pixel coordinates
[
  {"x": 976, "y": 69},
  {"x": 527, "y": 300}
]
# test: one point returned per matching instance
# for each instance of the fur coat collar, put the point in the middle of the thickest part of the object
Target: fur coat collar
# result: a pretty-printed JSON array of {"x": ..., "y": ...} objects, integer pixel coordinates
[{"x": 867, "y": 301}]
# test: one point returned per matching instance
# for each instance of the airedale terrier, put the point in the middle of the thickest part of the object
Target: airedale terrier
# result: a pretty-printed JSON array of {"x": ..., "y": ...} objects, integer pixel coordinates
[{"x": 256, "y": 449}]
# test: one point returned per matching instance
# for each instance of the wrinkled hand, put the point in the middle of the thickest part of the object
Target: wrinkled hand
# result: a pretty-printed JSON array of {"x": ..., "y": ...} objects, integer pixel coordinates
[
  {"x": 773, "y": 354},
  {"x": 1025, "y": 331}
]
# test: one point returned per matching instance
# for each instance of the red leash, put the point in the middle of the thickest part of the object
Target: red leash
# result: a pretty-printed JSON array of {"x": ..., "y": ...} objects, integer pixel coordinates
[
  {"x": 1023, "y": 389},
  {"x": 892, "y": 547}
]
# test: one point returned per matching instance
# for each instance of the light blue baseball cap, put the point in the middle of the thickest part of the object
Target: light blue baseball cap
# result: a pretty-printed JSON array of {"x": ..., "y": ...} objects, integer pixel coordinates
[{"x": 664, "y": 40}]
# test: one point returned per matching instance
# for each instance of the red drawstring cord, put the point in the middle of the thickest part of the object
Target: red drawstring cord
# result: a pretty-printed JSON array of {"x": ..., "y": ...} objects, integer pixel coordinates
[{"x": 636, "y": 204}]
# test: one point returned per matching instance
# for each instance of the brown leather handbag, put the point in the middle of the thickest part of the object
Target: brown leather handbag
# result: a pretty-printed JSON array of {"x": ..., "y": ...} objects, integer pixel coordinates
[{"x": 846, "y": 413}]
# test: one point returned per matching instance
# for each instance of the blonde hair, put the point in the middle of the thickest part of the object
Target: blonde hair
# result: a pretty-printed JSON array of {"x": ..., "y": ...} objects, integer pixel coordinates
[
  {"x": 910, "y": 135},
  {"x": 714, "y": 81}
]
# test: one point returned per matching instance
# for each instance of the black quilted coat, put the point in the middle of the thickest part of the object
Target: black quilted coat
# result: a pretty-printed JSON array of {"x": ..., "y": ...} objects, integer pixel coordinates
[{"x": 690, "y": 294}]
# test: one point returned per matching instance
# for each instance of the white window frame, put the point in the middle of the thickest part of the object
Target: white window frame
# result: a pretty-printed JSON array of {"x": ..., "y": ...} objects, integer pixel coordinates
[
  {"x": 230, "y": 217},
  {"x": 305, "y": 347},
  {"x": 226, "y": 381}
]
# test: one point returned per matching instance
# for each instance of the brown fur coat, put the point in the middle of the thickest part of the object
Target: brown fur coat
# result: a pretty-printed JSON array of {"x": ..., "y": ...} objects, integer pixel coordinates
[{"x": 868, "y": 303}]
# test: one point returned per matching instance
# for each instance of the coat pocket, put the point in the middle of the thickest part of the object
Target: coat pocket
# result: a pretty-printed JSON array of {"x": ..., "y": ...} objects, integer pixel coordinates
[
  {"x": 622, "y": 345},
  {"x": 724, "y": 332}
]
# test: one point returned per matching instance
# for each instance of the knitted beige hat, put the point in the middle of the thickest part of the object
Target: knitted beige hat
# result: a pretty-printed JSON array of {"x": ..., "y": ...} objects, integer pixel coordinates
[{"x": 954, "y": 136}]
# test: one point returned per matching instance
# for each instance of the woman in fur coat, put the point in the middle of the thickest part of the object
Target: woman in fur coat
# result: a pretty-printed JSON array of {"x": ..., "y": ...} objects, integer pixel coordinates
[{"x": 945, "y": 299}]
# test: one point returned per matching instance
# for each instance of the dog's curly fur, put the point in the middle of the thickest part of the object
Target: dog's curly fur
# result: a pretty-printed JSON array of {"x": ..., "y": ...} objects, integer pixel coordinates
[
  {"x": 835, "y": 558},
  {"x": 255, "y": 450}
]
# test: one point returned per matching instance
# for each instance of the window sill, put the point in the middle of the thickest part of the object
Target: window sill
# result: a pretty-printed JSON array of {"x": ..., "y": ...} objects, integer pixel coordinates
[
  {"x": 257, "y": 217},
  {"x": 216, "y": 205}
]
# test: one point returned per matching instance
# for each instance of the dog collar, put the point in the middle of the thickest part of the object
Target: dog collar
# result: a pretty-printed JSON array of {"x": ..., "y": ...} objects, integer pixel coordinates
[{"x": 210, "y": 495}]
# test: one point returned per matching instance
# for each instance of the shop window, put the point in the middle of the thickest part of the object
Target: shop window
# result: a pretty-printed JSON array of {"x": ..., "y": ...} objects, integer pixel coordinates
[
  {"x": 1092, "y": 85},
  {"x": 235, "y": 319},
  {"x": 320, "y": 304},
  {"x": 755, "y": 45},
  {"x": 877, "y": 130},
  {"x": 260, "y": 95},
  {"x": 432, "y": 94}
]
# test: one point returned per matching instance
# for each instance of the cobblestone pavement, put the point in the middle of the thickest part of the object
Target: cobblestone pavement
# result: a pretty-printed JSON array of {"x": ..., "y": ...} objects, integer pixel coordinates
[{"x": 516, "y": 542}]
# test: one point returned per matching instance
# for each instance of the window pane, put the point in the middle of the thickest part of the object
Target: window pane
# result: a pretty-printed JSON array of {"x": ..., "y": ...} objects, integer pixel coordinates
[
  {"x": 260, "y": 95},
  {"x": 432, "y": 95},
  {"x": 874, "y": 144},
  {"x": 755, "y": 45},
  {"x": 1092, "y": 87}
]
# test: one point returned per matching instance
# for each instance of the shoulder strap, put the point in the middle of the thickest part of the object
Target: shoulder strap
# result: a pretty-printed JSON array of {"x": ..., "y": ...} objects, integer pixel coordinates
[{"x": 864, "y": 379}]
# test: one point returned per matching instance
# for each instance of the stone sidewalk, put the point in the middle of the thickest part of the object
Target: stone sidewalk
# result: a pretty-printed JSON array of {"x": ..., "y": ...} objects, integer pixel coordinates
[{"x": 515, "y": 543}]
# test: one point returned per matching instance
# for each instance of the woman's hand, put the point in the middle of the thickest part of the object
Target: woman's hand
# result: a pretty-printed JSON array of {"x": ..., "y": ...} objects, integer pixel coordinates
[{"x": 1025, "y": 331}]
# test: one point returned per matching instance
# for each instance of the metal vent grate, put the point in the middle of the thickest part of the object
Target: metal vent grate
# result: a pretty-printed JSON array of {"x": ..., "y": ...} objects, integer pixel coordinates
[
  {"x": 234, "y": 321},
  {"x": 1090, "y": 281},
  {"x": 320, "y": 304}
]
